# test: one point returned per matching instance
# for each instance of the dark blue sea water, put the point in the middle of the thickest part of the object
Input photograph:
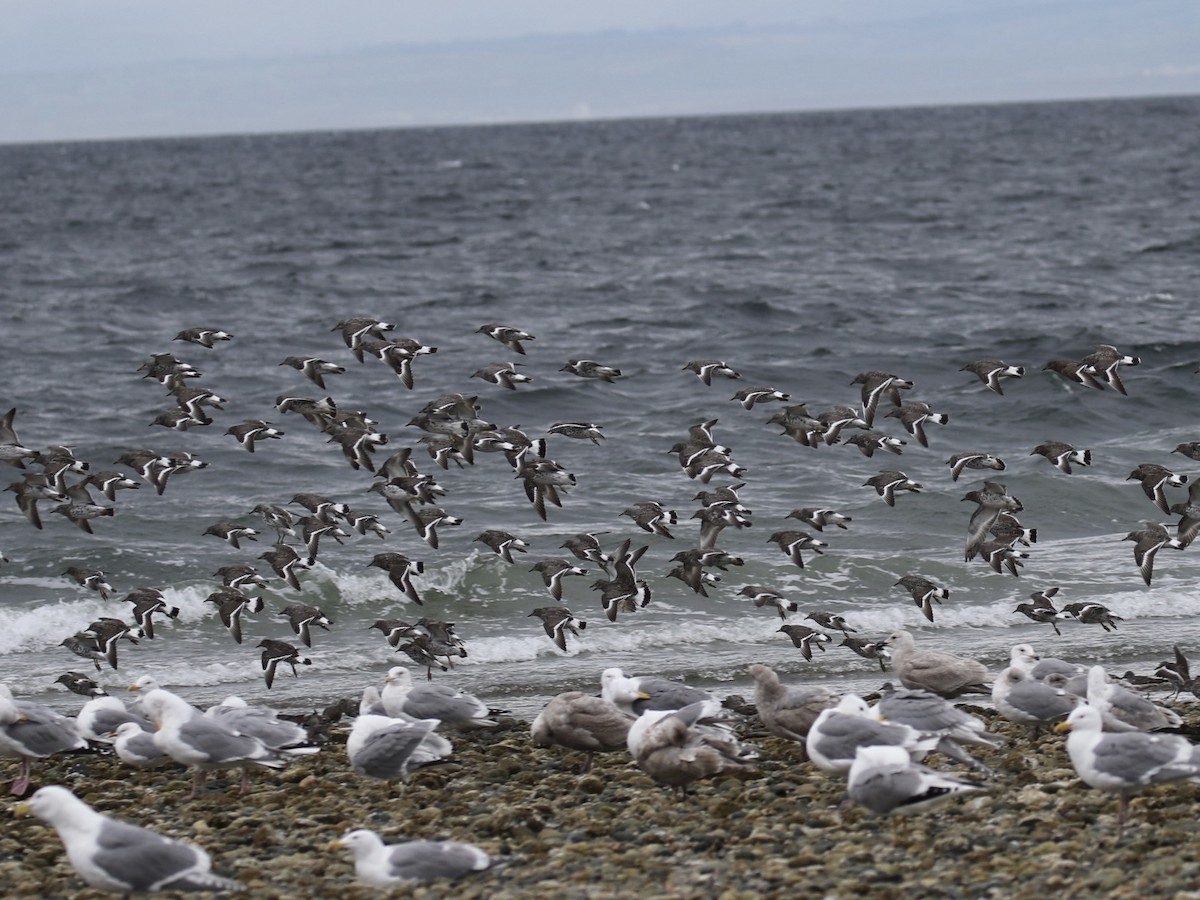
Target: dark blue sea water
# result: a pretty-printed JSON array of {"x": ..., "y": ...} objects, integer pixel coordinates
[{"x": 802, "y": 249}]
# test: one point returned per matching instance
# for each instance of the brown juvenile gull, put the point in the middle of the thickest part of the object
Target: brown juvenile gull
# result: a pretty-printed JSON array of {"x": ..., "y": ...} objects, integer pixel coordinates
[
  {"x": 579, "y": 721},
  {"x": 673, "y": 749},
  {"x": 933, "y": 670},
  {"x": 788, "y": 711}
]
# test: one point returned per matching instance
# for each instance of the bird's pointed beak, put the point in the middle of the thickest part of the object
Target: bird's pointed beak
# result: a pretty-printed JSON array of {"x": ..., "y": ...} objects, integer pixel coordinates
[
  {"x": 1062, "y": 727},
  {"x": 23, "y": 809}
]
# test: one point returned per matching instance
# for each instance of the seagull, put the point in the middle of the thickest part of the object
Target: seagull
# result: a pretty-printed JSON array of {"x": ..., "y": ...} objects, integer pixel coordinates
[
  {"x": 637, "y": 694},
  {"x": 32, "y": 731},
  {"x": 1025, "y": 700},
  {"x": 380, "y": 864},
  {"x": 674, "y": 749},
  {"x": 884, "y": 780},
  {"x": 578, "y": 721},
  {"x": 116, "y": 856},
  {"x": 788, "y": 711},
  {"x": 1126, "y": 763},
  {"x": 432, "y": 701},
  {"x": 193, "y": 740},
  {"x": 840, "y": 730},
  {"x": 388, "y": 747},
  {"x": 933, "y": 670}
]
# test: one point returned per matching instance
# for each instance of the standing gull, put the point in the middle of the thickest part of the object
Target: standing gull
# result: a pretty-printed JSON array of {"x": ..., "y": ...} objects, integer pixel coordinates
[
  {"x": 193, "y": 740},
  {"x": 933, "y": 670},
  {"x": 788, "y": 711},
  {"x": 1125, "y": 764},
  {"x": 578, "y": 721},
  {"x": 115, "y": 856},
  {"x": 32, "y": 731}
]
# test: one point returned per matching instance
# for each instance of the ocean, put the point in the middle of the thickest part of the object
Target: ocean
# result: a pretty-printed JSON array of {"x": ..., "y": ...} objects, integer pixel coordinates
[{"x": 802, "y": 249}]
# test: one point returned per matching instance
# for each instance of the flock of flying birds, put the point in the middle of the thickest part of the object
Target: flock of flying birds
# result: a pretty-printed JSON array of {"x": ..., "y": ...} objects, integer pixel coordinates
[{"x": 455, "y": 432}]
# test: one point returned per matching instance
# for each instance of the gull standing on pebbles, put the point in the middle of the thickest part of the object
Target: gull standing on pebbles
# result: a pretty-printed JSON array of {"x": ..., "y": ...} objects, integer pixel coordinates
[
  {"x": 788, "y": 711},
  {"x": 190, "y": 739},
  {"x": 1128, "y": 763},
  {"x": 579, "y": 721},
  {"x": 941, "y": 673},
  {"x": 115, "y": 856}
]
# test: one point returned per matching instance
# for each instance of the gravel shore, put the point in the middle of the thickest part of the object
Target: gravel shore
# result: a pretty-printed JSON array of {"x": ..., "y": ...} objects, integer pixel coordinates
[{"x": 784, "y": 829}]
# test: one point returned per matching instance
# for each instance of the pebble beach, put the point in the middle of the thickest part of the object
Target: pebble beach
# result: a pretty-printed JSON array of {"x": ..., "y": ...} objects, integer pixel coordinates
[{"x": 781, "y": 829}]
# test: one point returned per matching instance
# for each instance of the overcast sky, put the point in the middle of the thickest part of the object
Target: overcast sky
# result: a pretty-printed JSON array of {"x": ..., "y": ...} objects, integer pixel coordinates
[{"x": 83, "y": 69}]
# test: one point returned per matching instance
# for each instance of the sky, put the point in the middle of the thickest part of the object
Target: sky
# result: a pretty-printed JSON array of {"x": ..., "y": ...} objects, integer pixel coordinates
[{"x": 99, "y": 69}]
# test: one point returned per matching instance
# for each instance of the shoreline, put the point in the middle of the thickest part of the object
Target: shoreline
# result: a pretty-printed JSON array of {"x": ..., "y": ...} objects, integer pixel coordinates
[{"x": 780, "y": 828}]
